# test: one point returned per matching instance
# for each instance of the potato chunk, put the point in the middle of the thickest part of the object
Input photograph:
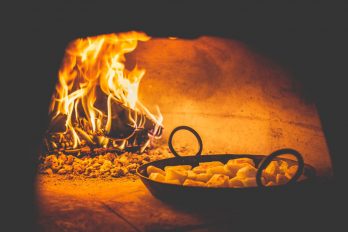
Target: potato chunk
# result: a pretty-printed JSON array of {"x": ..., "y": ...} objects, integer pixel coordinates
[
  {"x": 211, "y": 164},
  {"x": 218, "y": 180},
  {"x": 218, "y": 170},
  {"x": 157, "y": 177},
  {"x": 152, "y": 169},
  {"x": 229, "y": 172},
  {"x": 234, "y": 167},
  {"x": 283, "y": 166},
  {"x": 204, "y": 177},
  {"x": 235, "y": 183},
  {"x": 242, "y": 160},
  {"x": 174, "y": 174},
  {"x": 178, "y": 167},
  {"x": 270, "y": 172},
  {"x": 199, "y": 169},
  {"x": 290, "y": 172},
  {"x": 272, "y": 168},
  {"x": 250, "y": 182},
  {"x": 191, "y": 175},
  {"x": 271, "y": 183},
  {"x": 246, "y": 172},
  {"x": 189, "y": 182},
  {"x": 281, "y": 179},
  {"x": 175, "y": 181},
  {"x": 268, "y": 177}
]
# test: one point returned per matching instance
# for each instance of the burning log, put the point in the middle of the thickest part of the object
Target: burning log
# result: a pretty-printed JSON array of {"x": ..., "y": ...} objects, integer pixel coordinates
[
  {"x": 130, "y": 130},
  {"x": 57, "y": 123}
]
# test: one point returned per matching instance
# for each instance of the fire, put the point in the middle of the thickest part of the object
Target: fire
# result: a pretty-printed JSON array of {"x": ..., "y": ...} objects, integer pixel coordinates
[{"x": 92, "y": 79}]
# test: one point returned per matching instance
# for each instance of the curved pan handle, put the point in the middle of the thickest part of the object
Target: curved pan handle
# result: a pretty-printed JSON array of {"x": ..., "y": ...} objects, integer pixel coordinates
[
  {"x": 267, "y": 160},
  {"x": 170, "y": 141}
]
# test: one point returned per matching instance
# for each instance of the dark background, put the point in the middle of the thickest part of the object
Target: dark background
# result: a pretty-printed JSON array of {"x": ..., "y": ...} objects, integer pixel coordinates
[{"x": 308, "y": 38}]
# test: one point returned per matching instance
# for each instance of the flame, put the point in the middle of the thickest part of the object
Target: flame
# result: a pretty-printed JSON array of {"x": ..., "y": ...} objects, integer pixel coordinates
[{"x": 98, "y": 63}]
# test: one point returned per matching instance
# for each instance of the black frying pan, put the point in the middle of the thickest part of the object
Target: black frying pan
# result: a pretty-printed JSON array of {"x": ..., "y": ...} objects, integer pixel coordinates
[{"x": 190, "y": 194}]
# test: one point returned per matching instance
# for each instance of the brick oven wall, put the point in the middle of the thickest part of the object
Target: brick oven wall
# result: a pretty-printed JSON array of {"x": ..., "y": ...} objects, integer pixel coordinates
[{"x": 237, "y": 100}]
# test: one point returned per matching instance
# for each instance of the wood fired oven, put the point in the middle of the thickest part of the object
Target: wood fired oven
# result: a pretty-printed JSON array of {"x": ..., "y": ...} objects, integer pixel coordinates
[{"x": 248, "y": 89}]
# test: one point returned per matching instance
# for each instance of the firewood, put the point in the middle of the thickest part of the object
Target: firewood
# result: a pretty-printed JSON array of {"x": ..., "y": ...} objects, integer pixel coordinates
[{"x": 127, "y": 125}]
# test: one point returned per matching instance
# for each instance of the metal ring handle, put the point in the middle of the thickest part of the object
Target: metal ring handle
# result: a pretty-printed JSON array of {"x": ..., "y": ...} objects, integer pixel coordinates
[
  {"x": 267, "y": 160},
  {"x": 188, "y": 129}
]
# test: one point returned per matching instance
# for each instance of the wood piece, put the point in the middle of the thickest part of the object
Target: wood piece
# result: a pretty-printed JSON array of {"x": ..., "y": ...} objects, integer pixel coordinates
[{"x": 122, "y": 128}]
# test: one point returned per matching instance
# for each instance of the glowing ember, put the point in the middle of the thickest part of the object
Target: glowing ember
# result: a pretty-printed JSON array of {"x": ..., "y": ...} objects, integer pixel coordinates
[{"x": 95, "y": 89}]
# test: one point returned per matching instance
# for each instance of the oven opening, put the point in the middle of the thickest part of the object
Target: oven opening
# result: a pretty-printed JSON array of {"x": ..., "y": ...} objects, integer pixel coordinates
[{"x": 135, "y": 118}]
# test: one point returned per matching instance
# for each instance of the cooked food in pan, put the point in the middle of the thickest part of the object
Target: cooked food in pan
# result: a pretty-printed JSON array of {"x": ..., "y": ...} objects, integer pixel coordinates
[{"x": 236, "y": 173}]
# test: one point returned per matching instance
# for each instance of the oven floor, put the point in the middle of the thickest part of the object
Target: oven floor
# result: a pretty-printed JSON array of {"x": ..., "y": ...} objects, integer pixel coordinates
[
  {"x": 124, "y": 204},
  {"x": 115, "y": 205}
]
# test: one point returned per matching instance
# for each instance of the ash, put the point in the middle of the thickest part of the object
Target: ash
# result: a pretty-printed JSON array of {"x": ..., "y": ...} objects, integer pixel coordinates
[{"x": 109, "y": 165}]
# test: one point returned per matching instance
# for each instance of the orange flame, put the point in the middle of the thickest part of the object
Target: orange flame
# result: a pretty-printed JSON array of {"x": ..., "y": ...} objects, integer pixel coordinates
[{"x": 95, "y": 63}]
